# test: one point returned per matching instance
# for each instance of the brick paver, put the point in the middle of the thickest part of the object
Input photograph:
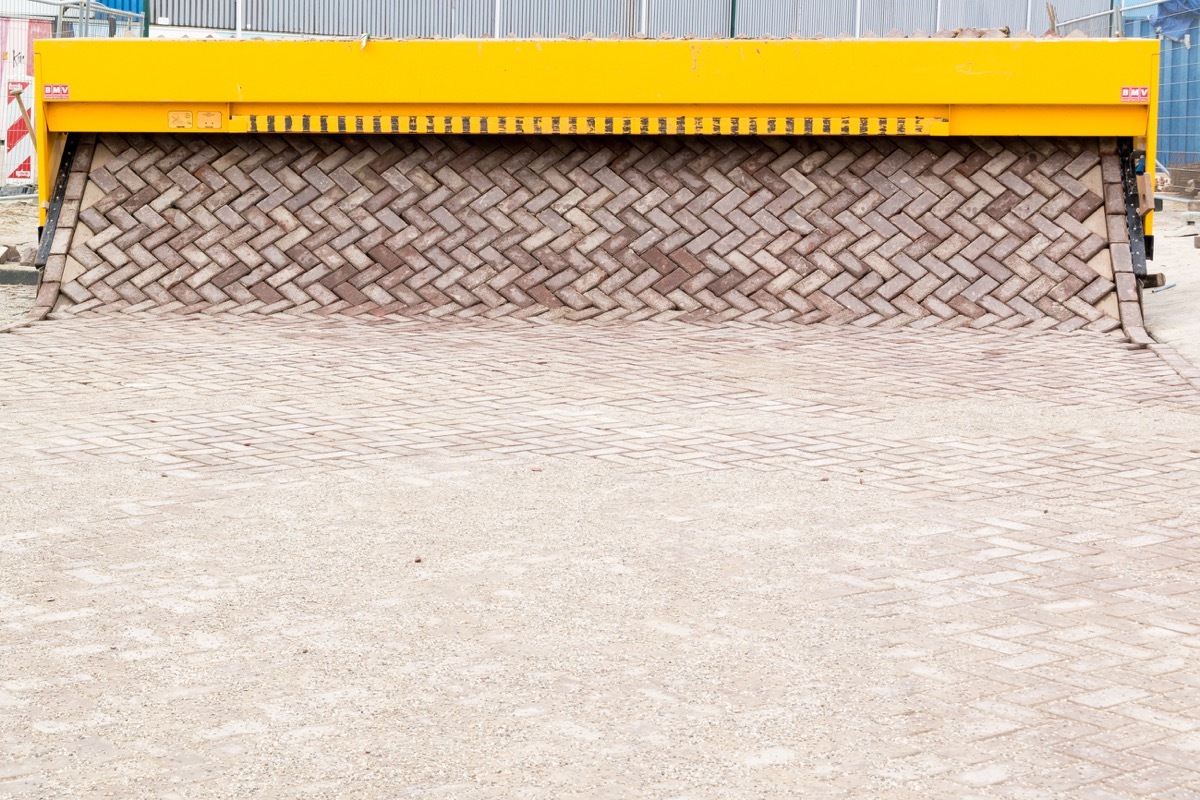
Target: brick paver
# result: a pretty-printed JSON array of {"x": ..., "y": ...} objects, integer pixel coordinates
[
  {"x": 888, "y": 231},
  {"x": 655, "y": 560}
]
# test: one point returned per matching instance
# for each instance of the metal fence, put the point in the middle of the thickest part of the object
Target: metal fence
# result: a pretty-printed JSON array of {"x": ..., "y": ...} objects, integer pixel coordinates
[
  {"x": 612, "y": 18},
  {"x": 76, "y": 18},
  {"x": 22, "y": 22},
  {"x": 1176, "y": 24}
]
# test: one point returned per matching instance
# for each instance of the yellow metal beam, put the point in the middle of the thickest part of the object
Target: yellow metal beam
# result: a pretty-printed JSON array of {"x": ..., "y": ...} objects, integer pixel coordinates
[
  {"x": 994, "y": 87},
  {"x": 1033, "y": 84},
  {"x": 748, "y": 72}
]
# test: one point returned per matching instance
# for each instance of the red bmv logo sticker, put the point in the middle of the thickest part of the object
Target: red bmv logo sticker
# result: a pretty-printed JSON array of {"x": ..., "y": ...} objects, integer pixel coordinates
[{"x": 1135, "y": 94}]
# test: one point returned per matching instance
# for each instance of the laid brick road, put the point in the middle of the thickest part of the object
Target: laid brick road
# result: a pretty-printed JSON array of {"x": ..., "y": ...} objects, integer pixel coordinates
[
  {"x": 298, "y": 558},
  {"x": 888, "y": 231}
]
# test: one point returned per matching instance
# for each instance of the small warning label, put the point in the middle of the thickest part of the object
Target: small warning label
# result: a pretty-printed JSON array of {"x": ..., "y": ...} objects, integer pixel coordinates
[
  {"x": 23, "y": 172},
  {"x": 1135, "y": 94},
  {"x": 56, "y": 91}
]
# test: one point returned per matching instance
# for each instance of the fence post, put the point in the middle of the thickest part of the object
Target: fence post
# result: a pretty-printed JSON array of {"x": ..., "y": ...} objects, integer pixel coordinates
[
  {"x": 496, "y": 22},
  {"x": 857, "y": 19},
  {"x": 238, "y": 10},
  {"x": 644, "y": 17},
  {"x": 145, "y": 19}
]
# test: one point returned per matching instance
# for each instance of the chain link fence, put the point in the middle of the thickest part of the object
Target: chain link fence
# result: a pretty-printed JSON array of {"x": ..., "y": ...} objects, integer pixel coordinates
[{"x": 74, "y": 18}]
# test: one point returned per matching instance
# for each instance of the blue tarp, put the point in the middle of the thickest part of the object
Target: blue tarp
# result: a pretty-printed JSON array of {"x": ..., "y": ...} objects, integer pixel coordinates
[{"x": 1176, "y": 16}]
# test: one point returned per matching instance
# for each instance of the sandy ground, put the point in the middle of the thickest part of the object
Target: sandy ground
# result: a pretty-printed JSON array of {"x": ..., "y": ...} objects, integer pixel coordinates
[
  {"x": 18, "y": 222},
  {"x": 1173, "y": 314},
  {"x": 18, "y": 226},
  {"x": 14, "y": 302}
]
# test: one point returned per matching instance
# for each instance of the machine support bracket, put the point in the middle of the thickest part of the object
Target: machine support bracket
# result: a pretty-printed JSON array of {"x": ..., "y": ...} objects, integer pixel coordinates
[
  {"x": 56, "y": 201},
  {"x": 1133, "y": 217}
]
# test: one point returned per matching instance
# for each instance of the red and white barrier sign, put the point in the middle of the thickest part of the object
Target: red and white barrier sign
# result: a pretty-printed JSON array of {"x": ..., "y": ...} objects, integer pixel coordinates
[
  {"x": 16, "y": 76},
  {"x": 18, "y": 139}
]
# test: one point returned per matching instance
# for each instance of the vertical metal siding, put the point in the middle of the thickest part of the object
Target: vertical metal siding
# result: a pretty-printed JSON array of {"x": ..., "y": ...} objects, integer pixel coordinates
[
  {"x": 195, "y": 13},
  {"x": 984, "y": 14},
  {"x": 881, "y": 17},
  {"x": 422, "y": 18},
  {"x": 549, "y": 18},
  {"x": 700, "y": 18},
  {"x": 1014, "y": 14},
  {"x": 778, "y": 18},
  {"x": 826, "y": 18}
]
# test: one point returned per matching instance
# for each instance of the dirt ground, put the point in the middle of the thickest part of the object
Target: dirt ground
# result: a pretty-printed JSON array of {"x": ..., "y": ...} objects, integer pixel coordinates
[
  {"x": 18, "y": 227},
  {"x": 1171, "y": 311},
  {"x": 18, "y": 222}
]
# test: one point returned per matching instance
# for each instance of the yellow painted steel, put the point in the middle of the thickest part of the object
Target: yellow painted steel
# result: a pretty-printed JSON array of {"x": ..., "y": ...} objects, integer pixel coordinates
[{"x": 862, "y": 87}]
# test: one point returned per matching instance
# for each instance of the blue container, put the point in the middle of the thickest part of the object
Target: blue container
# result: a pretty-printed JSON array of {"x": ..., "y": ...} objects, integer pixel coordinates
[{"x": 124, "y": 5}]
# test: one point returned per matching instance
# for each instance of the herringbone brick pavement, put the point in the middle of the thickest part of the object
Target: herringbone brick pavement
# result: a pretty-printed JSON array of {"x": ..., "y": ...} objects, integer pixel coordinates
[
  {"x": 870, "y": 231},
  {"x": 655, "y": 559}
]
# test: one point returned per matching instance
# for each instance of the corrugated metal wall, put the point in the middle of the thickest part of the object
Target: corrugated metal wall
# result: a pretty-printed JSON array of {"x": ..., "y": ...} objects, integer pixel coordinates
[
  {"x": 549, "y": 18},
  {"x": 884, "y": 16},
  {"x": 689, "y": 18},
  {"x": 554, "y": 18},
  {"x": 196, "y": 13},
  {"x": 826, "y": 18},
  {"x": 767, "y": 17},
  {"x": 985, "y": 14},
  {"x": 1016, "y": 15},
  {"x": 433, "y": 18},
  {"x": 436, "y": 18}
]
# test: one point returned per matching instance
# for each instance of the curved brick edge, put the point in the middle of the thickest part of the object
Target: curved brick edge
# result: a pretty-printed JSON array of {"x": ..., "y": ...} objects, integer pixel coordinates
[
  {"x": 49, "y": 291},
  {"x": 1128, "y": 301},
  {"x": 946, "y": 232},
  {"x": 1183, "y": 368},
  {"x": 1132, "y": 321},
  {"x": 34, "y": 315}
]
